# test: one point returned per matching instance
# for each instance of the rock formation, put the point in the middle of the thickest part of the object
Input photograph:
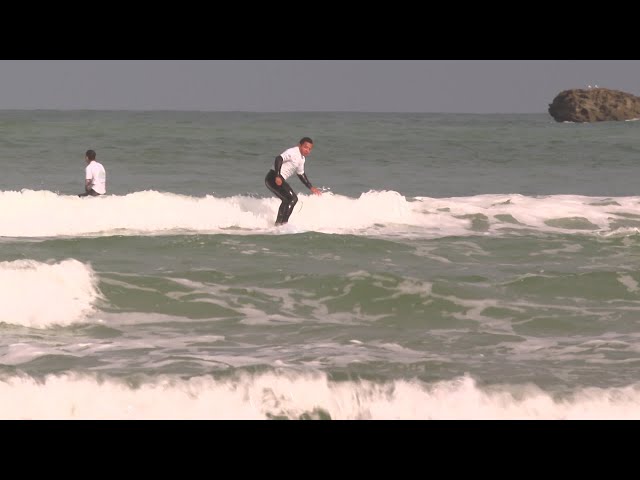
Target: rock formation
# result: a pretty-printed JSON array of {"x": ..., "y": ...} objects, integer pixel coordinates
[{"x": 594, "y": 105}]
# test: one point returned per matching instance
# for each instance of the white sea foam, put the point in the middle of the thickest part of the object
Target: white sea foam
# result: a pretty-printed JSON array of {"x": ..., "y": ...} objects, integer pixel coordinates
[
  {"x": 292, "y": 394},
  {"x": 37, "y": 294},
  {"x": 30, "y": 213}
]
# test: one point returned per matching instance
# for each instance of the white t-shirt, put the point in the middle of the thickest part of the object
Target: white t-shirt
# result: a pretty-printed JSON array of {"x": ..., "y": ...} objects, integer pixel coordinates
[
  {"x": 96, "y": 173},
  {"x": 293, "y": 162}
]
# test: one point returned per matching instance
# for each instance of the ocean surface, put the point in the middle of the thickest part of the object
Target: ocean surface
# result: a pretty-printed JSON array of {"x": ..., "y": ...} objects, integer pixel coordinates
[{"x": 455, "y": 267}]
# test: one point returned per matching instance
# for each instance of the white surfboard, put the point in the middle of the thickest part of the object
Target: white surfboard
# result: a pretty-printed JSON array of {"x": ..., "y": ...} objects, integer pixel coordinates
[{"x": 289, "y": 228}]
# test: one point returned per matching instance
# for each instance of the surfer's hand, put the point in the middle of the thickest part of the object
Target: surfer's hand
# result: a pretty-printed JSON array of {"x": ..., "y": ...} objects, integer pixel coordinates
[
  {"x": 317, "y": 191},
  {"x": 278, "y": 180}
]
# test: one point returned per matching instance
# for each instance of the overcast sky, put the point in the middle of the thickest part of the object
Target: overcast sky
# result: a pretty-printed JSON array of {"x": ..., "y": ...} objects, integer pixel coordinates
[{"x": 458, "y": 86}]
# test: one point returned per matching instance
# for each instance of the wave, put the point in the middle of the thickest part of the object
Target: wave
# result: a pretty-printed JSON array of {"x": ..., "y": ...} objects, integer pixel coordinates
[
  {"x": 42, "y": 213},
  {"x": 37, "y": 294},
  {"x": 302, "y": 395}
]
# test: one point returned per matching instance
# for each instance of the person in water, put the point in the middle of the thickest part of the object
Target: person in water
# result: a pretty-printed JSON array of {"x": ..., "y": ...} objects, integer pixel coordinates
[
  {"x": 95, "y": 176},
  {"x": 286, "y": 164}
]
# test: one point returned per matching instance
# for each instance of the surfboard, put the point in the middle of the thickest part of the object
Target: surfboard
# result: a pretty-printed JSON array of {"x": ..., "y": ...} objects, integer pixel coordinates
[{"x": 289, "y": 228}]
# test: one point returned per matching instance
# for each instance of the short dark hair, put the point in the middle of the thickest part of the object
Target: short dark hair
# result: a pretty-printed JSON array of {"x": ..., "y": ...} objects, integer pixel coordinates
[
  {"x": 306, "y": 140},
  {"x": 91, "y": 155}
]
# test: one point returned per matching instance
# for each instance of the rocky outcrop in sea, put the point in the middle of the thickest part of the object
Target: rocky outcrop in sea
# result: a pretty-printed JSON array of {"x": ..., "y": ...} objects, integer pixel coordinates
[{"x": 594, "y": 105}]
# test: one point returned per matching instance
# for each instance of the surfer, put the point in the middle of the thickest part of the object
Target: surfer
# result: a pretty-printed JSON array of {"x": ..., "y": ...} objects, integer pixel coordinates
[
  {"x": 95, "y": 176},
  {"x": 286, "y": 164}
]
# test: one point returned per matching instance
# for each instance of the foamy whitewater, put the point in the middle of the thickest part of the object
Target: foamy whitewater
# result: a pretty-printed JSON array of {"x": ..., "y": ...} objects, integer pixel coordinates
[{"x": 455, "y": 267}]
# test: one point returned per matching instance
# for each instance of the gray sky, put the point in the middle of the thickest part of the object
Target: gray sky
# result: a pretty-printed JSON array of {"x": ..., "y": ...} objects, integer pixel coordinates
[{"x": 457, "y": 86}]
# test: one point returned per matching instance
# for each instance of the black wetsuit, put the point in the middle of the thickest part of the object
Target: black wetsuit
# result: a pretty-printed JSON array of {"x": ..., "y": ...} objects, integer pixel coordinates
[
  {"x": 284, "y": 192},
  {"x": 90, "y": 193}
]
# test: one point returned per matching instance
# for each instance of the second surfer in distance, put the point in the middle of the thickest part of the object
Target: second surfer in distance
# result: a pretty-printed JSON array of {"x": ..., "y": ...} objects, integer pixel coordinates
[
  {"x": 286, "y": 164},
  {"x": 95, "y": 176}
]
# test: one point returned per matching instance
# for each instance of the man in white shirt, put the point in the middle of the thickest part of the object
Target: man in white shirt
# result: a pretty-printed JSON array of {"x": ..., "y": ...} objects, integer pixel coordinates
[
  {"x": 95, "y": 182},
  {"x": 286, "y": 164}
]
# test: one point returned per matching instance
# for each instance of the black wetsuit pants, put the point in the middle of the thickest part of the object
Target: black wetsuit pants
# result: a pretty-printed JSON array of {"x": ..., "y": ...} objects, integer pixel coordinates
[
  {"x": 91, "y": 193},
  {"x": 284, "y": 193}
]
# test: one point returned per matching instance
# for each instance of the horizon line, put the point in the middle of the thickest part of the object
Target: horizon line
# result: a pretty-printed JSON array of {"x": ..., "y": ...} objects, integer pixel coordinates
[{"x": 143, "y": 110}]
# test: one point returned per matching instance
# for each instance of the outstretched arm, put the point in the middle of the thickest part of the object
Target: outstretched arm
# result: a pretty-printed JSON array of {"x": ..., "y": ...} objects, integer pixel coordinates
[{"x": 303, "y": 178}]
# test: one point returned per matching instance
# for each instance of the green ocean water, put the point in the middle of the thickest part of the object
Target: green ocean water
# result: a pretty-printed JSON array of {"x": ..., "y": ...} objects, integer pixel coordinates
[{"x": 450, "y": 257}]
